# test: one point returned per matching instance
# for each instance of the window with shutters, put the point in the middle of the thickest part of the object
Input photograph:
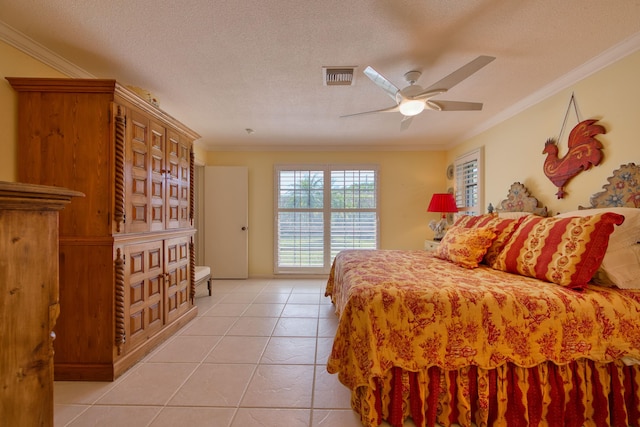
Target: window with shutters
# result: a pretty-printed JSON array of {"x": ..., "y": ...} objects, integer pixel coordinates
[
  {"x": 321, "y": 210},
  {"x": 468, "y": 184}
]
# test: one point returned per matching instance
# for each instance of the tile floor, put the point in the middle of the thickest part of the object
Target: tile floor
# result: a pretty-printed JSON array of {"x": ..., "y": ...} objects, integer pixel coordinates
[{"x": 254, "y": 357}]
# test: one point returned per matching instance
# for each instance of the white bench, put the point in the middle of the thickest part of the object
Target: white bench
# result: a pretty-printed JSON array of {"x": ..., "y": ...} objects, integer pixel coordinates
[{"x": 203, "y": 274}]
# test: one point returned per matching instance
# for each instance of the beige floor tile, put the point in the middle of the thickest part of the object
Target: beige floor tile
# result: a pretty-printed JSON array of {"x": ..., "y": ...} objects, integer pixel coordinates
[
  {"x": 208, "y": 325},
  {"x": 327, "y": 311},
  {"x": 304, "y": 298},
  {"x": 149, "y": 384},
  {"x": 64, "y": 414},
  {"x": 252, "y": 286},
  {"x": 282, "y": 386},
  {"x": 204, "y": 301},
  {"x": 280, "y": 287},
  {"x": 217, "y": 295},
  {"x": 335, "y": 418},
  {"x": 264, "y": 310},
  {"x": 253, "y": 326},
  {"x": 327, "y": 327},
  {"x": 227, "y": 309},
  {"x": 80, "y": 392},
  {"x": 323, "y": 351},
  {"x": 260, "y": 417},
  {"x": 315, "y": 290},
  {"x": 238, "y": 349},
  {"x": 185, "y": 348},
  {"x": 272, "y": 297},
  {"x": 300, "y": 310},
  {"x": 308, "y": 288},
  {"x": 328, "y": 392},
  {"x": 290, "y": 351},
  {"x": 296, "y": 327},
  {"x": 225, "y": 285},
  {"x": 194, "y": 417},
  {"x": 238, "y": 297},
  {"x": 121, "y": 416},
  {"x": 214, "y": 385}
]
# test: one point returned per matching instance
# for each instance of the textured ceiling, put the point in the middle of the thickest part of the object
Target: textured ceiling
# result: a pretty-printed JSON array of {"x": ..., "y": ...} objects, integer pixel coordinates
[{"x": 222, "y": 67}]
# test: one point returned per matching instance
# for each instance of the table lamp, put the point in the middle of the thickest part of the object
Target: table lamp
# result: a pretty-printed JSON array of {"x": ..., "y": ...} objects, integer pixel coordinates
[{"x": 443, "y": 203}]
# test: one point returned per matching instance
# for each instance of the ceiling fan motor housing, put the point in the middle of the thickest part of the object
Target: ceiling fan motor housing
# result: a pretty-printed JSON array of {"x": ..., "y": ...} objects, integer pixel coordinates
[{"x": 412, "y": 76}]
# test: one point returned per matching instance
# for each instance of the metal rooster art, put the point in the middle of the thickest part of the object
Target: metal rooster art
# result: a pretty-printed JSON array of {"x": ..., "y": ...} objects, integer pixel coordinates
[{"x": 584, "y": 152}]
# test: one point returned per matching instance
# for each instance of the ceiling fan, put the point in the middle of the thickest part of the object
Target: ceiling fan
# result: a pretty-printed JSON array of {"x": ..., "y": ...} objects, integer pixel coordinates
[{"x": 413, "y": 99}]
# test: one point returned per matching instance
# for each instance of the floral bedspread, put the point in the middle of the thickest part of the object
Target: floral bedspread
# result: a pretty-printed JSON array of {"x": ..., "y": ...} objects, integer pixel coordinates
[{"x": 411, "y": 310}]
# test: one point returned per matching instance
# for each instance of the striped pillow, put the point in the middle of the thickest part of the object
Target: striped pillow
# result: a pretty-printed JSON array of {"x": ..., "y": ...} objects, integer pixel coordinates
[{"x": 565, "y": 251}]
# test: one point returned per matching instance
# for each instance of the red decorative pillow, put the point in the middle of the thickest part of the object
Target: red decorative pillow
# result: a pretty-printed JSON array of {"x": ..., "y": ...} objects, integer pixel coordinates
[
  {"x": 503, "y": 227},
  {"x": 471, "y": 221},
  {"x": 465, "y": 246},
  {"x": 565, "y": 251}
]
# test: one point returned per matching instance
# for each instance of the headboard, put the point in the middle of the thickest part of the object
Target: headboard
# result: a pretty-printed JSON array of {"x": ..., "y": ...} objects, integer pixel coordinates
[
  {"x": 519, "y": 200},
  {"x": 623, "y": 189}
]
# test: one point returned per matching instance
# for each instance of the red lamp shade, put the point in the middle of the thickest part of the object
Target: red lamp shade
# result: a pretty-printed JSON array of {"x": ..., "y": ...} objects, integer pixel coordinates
[{"x": 443, "y": 203}]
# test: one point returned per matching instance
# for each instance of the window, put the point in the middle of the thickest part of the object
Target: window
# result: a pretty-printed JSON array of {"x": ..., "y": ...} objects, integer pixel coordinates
[
  {"x": 321, "y": 210},
  {"x": 468, "y": 184}
]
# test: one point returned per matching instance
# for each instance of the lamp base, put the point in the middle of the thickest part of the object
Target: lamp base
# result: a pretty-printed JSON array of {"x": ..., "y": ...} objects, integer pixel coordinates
[{"x": 439, "y": 228}]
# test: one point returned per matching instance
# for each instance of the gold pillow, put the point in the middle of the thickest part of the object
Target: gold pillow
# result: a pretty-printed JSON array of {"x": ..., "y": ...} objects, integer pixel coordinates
[
  {"x": 503, "y": 227},
  {"x": 465, "y": 246}
]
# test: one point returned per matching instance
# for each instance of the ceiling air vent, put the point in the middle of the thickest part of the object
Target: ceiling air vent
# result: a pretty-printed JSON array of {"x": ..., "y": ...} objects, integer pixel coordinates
[{"x": 338, "y": 76}]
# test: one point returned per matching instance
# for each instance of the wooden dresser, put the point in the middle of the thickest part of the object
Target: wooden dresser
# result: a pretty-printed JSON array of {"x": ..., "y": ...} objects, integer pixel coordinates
[
  {"x": 126, "y": 249},
  {"x": 28, "y": 300}
]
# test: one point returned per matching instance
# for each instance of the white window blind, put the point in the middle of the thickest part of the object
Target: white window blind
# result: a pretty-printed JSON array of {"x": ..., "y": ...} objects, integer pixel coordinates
[
  {"x": 300, "y": 218},
  {"x": 353, "y": 210},
  {"x": 321, "y": 210},
  {"x": 468, "y": 183}
]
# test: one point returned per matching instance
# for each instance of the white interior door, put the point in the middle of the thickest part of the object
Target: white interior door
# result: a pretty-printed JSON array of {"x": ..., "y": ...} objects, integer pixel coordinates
[{"x": 226, "y": 230}]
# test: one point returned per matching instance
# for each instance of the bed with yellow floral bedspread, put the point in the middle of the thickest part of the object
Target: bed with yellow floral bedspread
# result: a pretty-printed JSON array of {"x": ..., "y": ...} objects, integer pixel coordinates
[{"x": 424, "y": 338}]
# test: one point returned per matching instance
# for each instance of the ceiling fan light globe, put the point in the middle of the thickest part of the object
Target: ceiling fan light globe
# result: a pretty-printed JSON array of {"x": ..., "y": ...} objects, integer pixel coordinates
[{"x": 411, "y": 107}]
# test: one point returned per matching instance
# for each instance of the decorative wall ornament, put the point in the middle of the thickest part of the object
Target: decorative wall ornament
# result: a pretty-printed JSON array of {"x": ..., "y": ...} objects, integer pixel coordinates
[
  {"x": 623, "y": 189},
  {"x": 584, "y": 152},
  {"x": 450, "y": 172}
]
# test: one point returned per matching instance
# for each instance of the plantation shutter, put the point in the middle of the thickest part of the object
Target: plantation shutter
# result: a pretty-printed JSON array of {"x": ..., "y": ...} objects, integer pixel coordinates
[
  {"x": 467, "y": 183},
  {"x": 353, "y": 210},
  {"x": 321, "y": 210},
  {"x": 301, "y": 218}
]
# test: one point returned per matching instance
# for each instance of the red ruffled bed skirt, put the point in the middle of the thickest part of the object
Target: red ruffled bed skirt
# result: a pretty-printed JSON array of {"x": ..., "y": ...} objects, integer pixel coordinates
[{"x": 582, "y": 393}]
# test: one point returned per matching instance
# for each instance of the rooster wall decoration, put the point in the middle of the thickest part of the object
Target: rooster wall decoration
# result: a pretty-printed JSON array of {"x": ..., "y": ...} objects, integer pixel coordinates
[{"x": 584, "y": 151}]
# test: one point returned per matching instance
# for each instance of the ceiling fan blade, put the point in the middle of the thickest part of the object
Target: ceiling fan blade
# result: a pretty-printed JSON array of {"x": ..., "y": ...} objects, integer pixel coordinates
[
  {"x": 384, "y": 110},
  {"x": 455, "y": 105},
  {"x": 382, "y": 82},
  {"x": 406, "y": 121},
  {"x": 461, "y": 73},
  {"x": 426, "y": 94}
]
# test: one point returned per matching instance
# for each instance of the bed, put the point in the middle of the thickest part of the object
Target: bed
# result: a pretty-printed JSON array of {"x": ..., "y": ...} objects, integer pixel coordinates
[{"x": 503, "y": 342}]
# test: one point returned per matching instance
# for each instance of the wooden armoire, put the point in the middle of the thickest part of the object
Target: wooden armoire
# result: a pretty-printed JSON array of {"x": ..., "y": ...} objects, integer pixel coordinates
[
  {"x": 28, "y": 300},
  {"x": 126, "y": 256}
]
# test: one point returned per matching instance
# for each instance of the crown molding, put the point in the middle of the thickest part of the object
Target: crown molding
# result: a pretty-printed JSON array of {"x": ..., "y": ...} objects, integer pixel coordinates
[
  {"x": 595, "y": 64},
  {"x": 41, "y": 53},
  {"x": 321, "y": 148}
]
